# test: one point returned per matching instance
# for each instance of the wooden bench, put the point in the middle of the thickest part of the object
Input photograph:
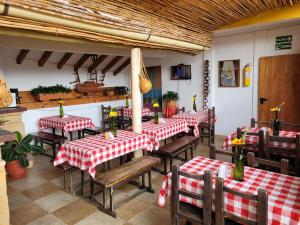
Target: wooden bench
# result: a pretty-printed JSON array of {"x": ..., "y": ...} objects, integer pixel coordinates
[
  {"x": 175, "y": 148},
  {"x": 123, "y": 174},
  {"x": 50, "y": 139}
]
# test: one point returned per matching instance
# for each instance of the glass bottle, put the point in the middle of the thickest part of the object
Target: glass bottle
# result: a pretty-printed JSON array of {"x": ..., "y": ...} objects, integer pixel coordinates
[
  {"x": 61, "y": 111},
  {"x": 238, "y": 171}
]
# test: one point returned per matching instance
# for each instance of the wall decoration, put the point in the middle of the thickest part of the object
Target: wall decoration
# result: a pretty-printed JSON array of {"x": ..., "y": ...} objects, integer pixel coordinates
[
  {"x": 154, "y": 74},
  {"x": 229, "y": 73},
  {"x": 206, "y": 79},
  {"x": 181, "y": 72}
]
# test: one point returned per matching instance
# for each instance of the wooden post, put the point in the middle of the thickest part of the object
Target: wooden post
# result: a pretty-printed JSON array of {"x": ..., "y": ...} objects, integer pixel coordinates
[
  {"x": 4, "y": 211},
  {"x": 136, "y": 94}
]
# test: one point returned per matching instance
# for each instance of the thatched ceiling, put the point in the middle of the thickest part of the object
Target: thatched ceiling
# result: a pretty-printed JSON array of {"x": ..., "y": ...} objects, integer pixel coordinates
[{"x": 188, "y": 20}]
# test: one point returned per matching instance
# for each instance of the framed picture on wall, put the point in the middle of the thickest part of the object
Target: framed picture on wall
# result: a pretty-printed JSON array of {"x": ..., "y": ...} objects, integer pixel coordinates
[{"x": 229, "y": 73}]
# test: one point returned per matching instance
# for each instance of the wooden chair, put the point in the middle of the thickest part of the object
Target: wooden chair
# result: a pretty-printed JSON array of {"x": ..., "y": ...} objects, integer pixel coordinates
[
  {"x": 124, "y": 122},
  {"x": 283, "y": 165},
  {"x": 105, "y": 116},
  {"x": 213, "y": 152},
  {"x": 257, "y": 148},
  {"x": 187, "y": 211},
  {"x": 207, "y": 128},
  {"x": 180, "y": 110},
  {"x": 292, "y": 153},
  {"x": 222, "y": 215}
]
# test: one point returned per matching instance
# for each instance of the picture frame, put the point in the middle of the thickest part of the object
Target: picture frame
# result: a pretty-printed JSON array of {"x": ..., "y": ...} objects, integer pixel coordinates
[{"x": 229, "y": 73}]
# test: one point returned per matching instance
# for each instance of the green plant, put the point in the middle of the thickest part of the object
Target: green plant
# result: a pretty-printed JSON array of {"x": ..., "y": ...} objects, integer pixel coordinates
[
  {"x": 19, "y": 149},
  {"x": 50, "y": 90},
  {"x": 171, "y": 96}
]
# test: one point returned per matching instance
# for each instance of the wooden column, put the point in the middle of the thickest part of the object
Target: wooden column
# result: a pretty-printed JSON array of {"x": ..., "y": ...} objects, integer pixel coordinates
[{"x": 136, "y": 94}]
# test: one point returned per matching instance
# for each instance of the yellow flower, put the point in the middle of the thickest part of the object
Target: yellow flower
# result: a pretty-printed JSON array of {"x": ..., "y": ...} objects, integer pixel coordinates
[
  {"x": 113, "y": 113},
  {"x": 275, "y": 109},
  {"x": 238, "y": 141},
  {"x": 194, "y": 98},
  {"x": 60, "y": 102},
  {"x": 155, "y": 104}
]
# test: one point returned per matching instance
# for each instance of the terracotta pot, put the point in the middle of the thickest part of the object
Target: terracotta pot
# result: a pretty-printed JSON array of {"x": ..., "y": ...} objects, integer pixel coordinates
[
  {"x": 15, "y": 170},
  {"x": 171, "y": 104}
]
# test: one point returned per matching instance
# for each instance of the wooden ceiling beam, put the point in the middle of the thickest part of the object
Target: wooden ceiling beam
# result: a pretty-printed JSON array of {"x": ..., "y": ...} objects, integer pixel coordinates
[
  {"x": 111, "y": 64},
  {"x": 44, "y": 58},
  {"x": 63, "y": 60},
  {"x": 21, "y": 56},
  {"x": 81, "y": 61},
  {"x": 99, "y": 60},
  {"x": 121, "y": 67}
]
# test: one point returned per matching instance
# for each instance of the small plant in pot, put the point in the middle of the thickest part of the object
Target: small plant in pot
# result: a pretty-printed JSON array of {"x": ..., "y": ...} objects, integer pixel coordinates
[
  {"x": 171, "y": 98},
  {"x": 15, "y": 154}
]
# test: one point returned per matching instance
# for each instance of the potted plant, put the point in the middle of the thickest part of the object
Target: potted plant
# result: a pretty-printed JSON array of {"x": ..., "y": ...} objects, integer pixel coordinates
[
  {"x": 171, "y": 98},
  {"x": 47, "y": 93},
  {"x": 15, "y": 154}
]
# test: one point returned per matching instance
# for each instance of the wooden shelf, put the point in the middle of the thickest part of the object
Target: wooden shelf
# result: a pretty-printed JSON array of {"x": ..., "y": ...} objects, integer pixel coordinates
[{"x": 76, "y": 101}]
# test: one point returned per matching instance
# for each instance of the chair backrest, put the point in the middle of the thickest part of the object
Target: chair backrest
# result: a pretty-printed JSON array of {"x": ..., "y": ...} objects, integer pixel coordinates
[
  {"x": 221, "y": 213},
  {"x": 105, "y": 115},
  {"x": 180, "y": 110},
  {"x": 206, "y": 197},
  {"x": 211, "y": 115},
  {"x": 255, "y": 123},
  {"x": 253, "y": 161},
  {"x": 259, "y": 146},
  {"x": 213, "y": 152}
]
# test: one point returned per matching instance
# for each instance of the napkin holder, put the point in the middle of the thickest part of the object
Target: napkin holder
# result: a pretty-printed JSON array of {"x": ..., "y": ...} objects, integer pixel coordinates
[
  {"x": 108, "y": 135},
  {"x": 223, "y": 171}
]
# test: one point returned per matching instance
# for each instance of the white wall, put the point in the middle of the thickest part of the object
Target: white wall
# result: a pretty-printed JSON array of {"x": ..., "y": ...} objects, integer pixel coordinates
[
  {"x": 185, "y": 88},
  {"x": 235, "y": 106}
]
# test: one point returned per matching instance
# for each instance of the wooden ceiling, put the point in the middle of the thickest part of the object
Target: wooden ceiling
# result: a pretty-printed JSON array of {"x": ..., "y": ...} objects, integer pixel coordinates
[{"x": 187, "y": 20}]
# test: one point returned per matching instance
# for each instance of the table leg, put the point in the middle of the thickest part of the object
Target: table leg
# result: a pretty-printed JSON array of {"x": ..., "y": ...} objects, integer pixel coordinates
[
  {"x": 82, "y": 182},
  {"x": 71, "y": 136},
  {"x": 79, "y": 134},
  {"x": 91, "y": 188},
  {"x": 62, "y": 133},
  {"x": 53, "y": 131}
]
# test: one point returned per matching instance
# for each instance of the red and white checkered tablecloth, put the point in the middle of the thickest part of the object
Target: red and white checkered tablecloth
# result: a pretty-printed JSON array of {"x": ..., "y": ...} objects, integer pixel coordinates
[
  {"x": 193, "y": 119},
  {"x": 250, "y": 139},
  {"x": 161, "y": 131},
  {"x": 87, "y": 153},
  {"x": 66, "y": 124},
  {"x": 128, "y": 111},
  {"x": 283, "y": 191}
]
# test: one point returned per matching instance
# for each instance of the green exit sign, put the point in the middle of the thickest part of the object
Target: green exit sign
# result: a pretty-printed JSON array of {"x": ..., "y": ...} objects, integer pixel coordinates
[{"x": 284, "y": 42}]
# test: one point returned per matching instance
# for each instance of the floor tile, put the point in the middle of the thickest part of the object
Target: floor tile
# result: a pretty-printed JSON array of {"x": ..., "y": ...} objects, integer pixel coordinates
[
  {"x": 26, "y": 214},
  {"x": 98, "y": 218},
  {"x": 17, "y": 200},
  {"x": 47, "y": 220},
  {"x": 27, "y": 183},
  {"x": 40, "y": 191},
  {"x": 55, "y": 201},
  {"x": 75, "y": 211},
  {"x": 152, "y": 216},
  {"x": 131, "y": 208},
  {"x": 51, "y": 173}
]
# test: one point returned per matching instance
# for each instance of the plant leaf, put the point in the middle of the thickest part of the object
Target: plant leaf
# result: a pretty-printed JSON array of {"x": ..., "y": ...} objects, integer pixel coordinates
[
  {"x": 18, "y": 136},
  {"x": 27, "y": 148},
  {"x": 19, "y": 149},
  {"x": 23, "y": 161},
  {"x": 9, "y": 156},
  {"x": 27, "y": 139}
]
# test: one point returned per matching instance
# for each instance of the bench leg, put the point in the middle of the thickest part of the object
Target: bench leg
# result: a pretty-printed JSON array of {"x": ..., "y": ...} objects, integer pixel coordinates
[
  {"x": 143, "y": 182},
  {"x": 171, "y": 163},
  {"x": 91, "y": 188},
  {"x": 185, "y": 155},
  {"x": 121, "y": 160},
  {"x": 82, "y": 181},
  {"x": 150, "y": 182},
  {"x": 192, "y": 152},
  {"x": 53, "y": 131},
  {"x": 71, "y": 135},
  {"x": 79, "y": 134},
  {"x": 165, "y": 165}
]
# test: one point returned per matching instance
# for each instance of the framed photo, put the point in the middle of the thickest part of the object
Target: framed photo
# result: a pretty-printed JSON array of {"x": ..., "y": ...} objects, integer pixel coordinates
[{"x": 229, "y": 73}]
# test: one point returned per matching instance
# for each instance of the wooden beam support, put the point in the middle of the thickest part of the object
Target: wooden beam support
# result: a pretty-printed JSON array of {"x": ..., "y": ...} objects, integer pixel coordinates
[
  {"x": 97, "y": 62},
  {"x": 63, "y": 60},
  {"x": 44, "y": 58},
  {"x": 21, "y": 56},
  {"x": 111, "y": 64},
  {"x": 123, "y": 66},
  {"x": 81, "y": 61}
]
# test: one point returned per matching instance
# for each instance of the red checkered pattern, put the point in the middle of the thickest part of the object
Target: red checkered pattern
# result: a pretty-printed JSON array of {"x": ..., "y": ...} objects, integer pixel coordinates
[
  {"x": 283, "y": 190},
  {"x": 128, "y": 112},
  {"x": 161, "y": 131},
  {"x": 67, "y": 124},
  {"x": 87, "y": 153},
  {"x": 250, "y": 139},
  {"x": 193, "y": 119}
]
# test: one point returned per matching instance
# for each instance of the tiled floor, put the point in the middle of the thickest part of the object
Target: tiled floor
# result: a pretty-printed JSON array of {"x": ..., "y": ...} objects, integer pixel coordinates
[{"x": 40, "y": 199}]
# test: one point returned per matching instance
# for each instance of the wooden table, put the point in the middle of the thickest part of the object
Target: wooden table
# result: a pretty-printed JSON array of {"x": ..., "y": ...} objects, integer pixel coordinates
[
  {"x": 161, "y": 131},
  {"x": 69, "y": 123},
  {"x": 283, "y": 191}
]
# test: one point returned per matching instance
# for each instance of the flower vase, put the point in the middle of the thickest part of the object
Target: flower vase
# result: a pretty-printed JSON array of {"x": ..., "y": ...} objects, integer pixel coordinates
[
  {"x": 113, "y": 127},
  {"x": 276, "y": 127},
  {"x": 156, "y": 119},
  {"x": 194, "y": 106},
  {"x": 61, "y": 111},
  {"x": 238, "y": 171},
  {"x": 126, "y": 103}
]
